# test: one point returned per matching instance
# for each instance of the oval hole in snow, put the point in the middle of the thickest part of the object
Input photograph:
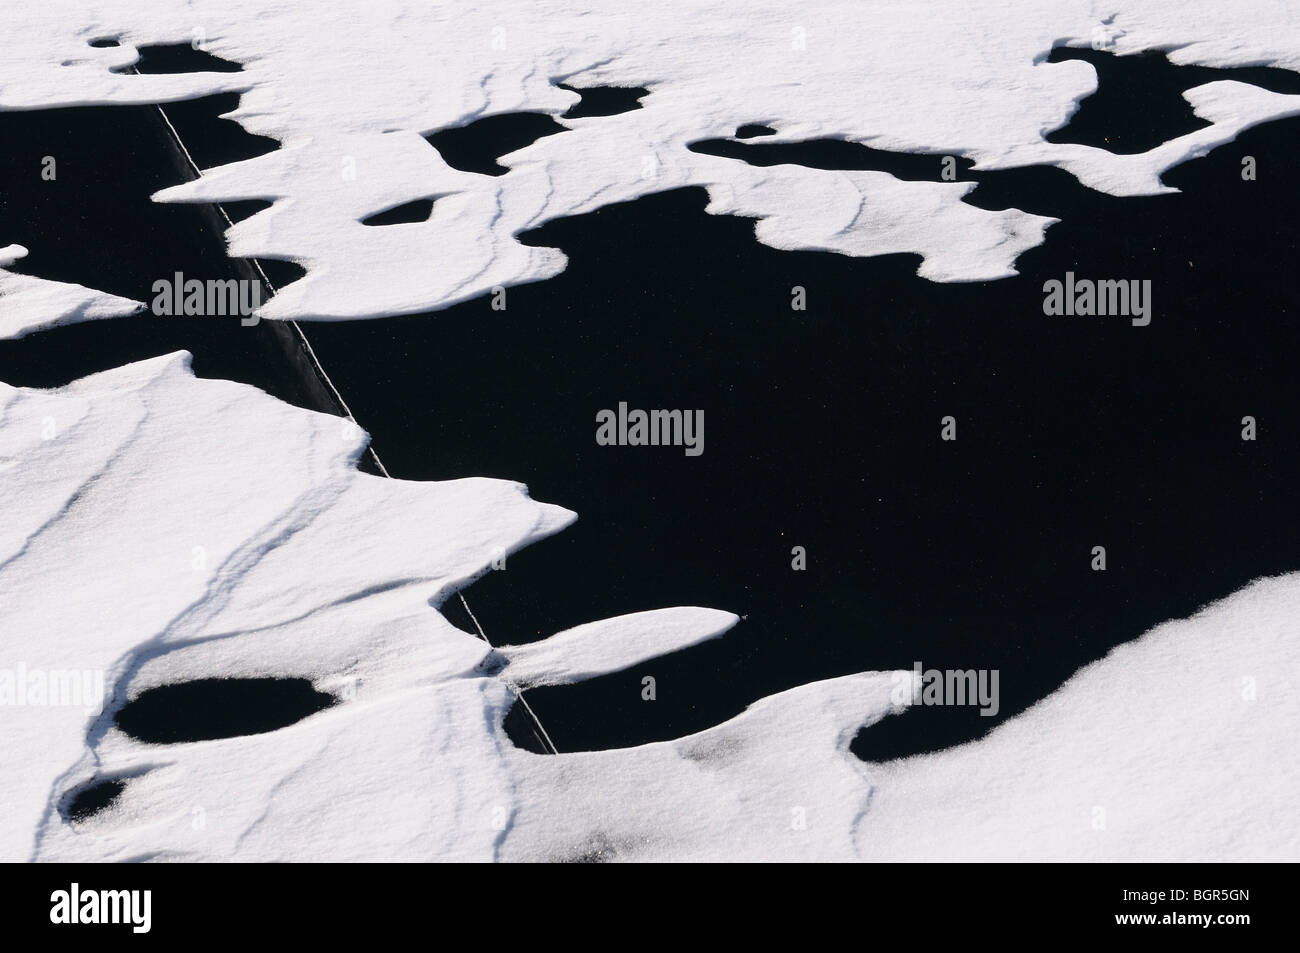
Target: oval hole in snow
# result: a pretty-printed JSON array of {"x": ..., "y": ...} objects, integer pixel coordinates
[
  {"x": 88, "y": 801},
  {"x": 210, "y": 708},
  {"x": 405, "y": 214}
]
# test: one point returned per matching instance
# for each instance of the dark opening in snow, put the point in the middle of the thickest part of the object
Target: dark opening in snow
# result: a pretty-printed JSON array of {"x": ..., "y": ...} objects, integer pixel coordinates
[
  {"x": 88, "y": 801},
  {"x": 604, "y": 100},
  {"x": 1139, "y": 100},
  {"x": 181, "y": 58},
  {"x": 210, "y": 708},
  {"x": 418, "y": 210},
  {"x": 477, "y": 146},
  {"x": 832, "y": 154}
]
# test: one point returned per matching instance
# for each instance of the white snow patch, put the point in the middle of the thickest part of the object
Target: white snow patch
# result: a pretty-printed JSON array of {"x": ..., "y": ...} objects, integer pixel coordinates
[{"x": 31, "y": 304}]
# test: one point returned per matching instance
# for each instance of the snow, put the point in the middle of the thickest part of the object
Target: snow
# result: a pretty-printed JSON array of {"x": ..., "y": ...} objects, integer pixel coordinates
[
  {"x": 32, "y": 304},
  {"x": 1176, "y": 747},
  {"x": 163, "y": 528},
  {"x": 611, "y": 645},
  {"x": 168, "y": 522},
  {"x": 159, "y": 528},
  {"x": 339, "y": 89}
]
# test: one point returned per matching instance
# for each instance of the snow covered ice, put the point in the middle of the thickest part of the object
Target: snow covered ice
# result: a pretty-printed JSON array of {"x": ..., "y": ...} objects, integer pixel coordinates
[
  {"x": 160, "y": 528},
  {"x": 334, "y": 87}
]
